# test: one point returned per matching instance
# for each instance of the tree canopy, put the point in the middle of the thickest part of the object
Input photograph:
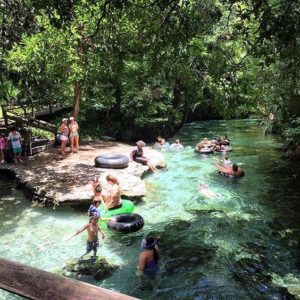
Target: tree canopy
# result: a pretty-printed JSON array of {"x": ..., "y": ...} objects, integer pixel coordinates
[{"x": 134, "y": 67}]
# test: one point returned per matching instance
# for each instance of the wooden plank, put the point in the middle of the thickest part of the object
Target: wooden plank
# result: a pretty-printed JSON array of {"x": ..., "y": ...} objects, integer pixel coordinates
[
  {"x": 34, "y": 123},
  {"x": 42, "y": 285}
]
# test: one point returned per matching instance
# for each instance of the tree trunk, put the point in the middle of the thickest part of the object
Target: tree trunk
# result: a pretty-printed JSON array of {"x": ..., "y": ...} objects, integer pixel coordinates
[{"x": 77, "y": 87}]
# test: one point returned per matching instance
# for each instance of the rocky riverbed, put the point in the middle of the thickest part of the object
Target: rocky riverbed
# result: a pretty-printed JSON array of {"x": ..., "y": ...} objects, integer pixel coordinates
[{"x": 49, "y": 178}]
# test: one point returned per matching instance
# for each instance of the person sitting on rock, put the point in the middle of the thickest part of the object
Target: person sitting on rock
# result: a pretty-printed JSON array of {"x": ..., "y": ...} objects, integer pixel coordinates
[
  {"x": 113, "y": 197},
  {"x": 93, "y": 229},
  {"x": 137, "y": 155}
]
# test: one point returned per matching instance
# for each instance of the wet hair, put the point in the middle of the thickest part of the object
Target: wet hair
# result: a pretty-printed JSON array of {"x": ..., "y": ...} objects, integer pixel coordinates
[
  {"x": 150, "y": 245},
  {"x": 112, "y": 179},
  {"x": 13, "y": 128},
  {"x": 242, "y": 173},
  {"x": 98, "y": 188},
  {"x": 235, "y": 167},
  {"x": 226, "y": 157},
  {"x": 94, "y": 216}
]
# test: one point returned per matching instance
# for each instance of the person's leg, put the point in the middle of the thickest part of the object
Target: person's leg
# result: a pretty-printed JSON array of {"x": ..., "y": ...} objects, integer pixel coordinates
[
  {"x": 72, "y": 142},
  {"x": 15, "y": 155},
  {"x": 76, "y": 143},
  {"x": 63, "y": 147},
  {"x": 20, "y": 155}
]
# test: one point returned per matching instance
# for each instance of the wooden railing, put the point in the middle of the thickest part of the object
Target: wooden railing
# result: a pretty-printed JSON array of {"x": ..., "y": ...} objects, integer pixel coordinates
[{"x": 41, "y": 285}]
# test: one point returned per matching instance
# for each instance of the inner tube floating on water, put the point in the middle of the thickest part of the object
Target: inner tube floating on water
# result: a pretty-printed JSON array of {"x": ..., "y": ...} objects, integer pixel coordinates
[
  {"x": 241, "y": 174},
  {"x": 204, "y": 150},
  {"x": 111, "y": 161},
  {"x": 127, "y": 207},
  {"x": 227, "y": 149},
  {"x": 126, "y": 223}
]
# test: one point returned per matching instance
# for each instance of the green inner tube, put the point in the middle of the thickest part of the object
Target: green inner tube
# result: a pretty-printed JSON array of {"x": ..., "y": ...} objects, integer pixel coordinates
[{"x": 126, "y": 208}]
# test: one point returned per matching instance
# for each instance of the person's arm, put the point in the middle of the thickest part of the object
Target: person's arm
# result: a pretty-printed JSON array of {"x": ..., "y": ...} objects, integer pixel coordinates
[
  {"x": 142, "y": 262},
  {"x": 77, "y": 232},
  {"x": 101, "y": 231},
  {"x": 131, "y": 155}
]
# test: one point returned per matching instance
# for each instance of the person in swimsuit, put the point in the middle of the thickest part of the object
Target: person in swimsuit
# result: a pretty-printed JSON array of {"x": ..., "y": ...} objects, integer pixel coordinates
[
  {"x": 113, "y": 196},
  {"x": 137, "y": 155},
  {"x": 148, "y": 260},
  {"x": 63, "y": 135},
  {"x": 93, "y": 229},
  {"x": 233, "y": 170},
  {"x": 74, "y": 136},
  {"x": 176, "y": 145}
]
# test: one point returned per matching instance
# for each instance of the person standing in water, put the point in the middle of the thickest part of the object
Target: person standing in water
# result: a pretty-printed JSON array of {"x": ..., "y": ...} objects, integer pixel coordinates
[
  {"x": 148, "y": 260},
  {"x": 93, "y": 229}
]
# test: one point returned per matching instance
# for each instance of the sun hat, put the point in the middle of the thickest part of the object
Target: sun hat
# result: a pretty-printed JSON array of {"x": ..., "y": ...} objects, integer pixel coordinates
[
  {"x": 64, "y": 119},
  {"x": 71, "y": 118},
  {"x": 140, "y": 143}
]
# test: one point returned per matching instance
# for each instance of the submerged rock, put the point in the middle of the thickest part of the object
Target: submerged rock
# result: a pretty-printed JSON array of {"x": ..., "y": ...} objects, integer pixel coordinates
[{"x": 99, "y": 268}]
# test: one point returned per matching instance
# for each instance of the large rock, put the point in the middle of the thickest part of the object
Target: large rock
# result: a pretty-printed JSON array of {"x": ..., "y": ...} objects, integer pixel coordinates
[
  {"x": 99, "y": 268},
  {"x": 48, "y": 178}
]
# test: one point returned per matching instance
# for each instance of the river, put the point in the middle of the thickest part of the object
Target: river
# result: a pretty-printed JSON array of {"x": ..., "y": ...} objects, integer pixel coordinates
[{"x": 243, "y": 243}]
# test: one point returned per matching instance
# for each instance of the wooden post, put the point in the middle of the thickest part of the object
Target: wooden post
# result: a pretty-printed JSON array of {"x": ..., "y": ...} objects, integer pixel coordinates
[
  {"x": 37, "y": 284},
  {"x": 4, "y": 115}
]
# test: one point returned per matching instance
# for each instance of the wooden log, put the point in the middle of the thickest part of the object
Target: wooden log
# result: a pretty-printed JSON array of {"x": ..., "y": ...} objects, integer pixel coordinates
[
  {"x": 42, "y": 285},
  {"x": 34, "y": 123}
]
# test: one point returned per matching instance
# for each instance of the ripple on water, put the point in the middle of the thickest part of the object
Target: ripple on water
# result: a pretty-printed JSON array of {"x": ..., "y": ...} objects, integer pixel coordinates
[{"x": 224, "y": 247}]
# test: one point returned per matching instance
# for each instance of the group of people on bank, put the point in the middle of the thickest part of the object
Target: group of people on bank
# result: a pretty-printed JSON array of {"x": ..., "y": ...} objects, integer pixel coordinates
[{"x": 68, "y": 132}]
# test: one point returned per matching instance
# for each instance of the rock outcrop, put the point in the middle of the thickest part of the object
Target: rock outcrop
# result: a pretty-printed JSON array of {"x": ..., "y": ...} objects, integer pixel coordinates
[{"x": 51, "y": 179}]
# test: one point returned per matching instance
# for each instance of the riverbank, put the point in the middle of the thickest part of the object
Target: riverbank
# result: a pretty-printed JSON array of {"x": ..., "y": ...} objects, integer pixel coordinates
[{"x": 49, "y": 178}]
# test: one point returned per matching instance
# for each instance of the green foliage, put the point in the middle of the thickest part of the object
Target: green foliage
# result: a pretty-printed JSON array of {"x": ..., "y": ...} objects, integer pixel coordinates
[{"x": 142, "y": 66}]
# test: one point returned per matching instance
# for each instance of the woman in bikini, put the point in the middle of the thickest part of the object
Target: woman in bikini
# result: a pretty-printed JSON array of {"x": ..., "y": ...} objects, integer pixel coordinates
[
  {"x": 63, "y": 135},
  {"x": 74, "y": 136}
]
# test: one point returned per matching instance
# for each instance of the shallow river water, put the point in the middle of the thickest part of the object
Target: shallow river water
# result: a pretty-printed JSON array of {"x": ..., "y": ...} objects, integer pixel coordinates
[{"x": 241, "y": 244}]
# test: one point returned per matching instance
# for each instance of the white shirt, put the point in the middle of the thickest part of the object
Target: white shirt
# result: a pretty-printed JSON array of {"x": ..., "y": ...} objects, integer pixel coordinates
[{"x": 15, "y": 139}]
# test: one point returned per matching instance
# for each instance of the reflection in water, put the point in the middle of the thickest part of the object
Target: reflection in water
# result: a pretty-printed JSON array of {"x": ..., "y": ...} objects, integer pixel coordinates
[{"x": 236, "y": 245}]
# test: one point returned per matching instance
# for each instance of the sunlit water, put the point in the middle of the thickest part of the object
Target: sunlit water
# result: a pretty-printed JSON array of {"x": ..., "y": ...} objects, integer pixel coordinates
[{"x": 241, "y": 244}]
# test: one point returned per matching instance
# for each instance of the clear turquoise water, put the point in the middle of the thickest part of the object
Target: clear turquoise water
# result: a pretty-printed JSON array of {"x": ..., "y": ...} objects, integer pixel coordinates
[{"x": 239, "y": 245}]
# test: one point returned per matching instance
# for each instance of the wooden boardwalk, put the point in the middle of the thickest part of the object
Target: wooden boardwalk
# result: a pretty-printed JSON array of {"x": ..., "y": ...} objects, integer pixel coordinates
[{"x": 41, "y": 285}]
